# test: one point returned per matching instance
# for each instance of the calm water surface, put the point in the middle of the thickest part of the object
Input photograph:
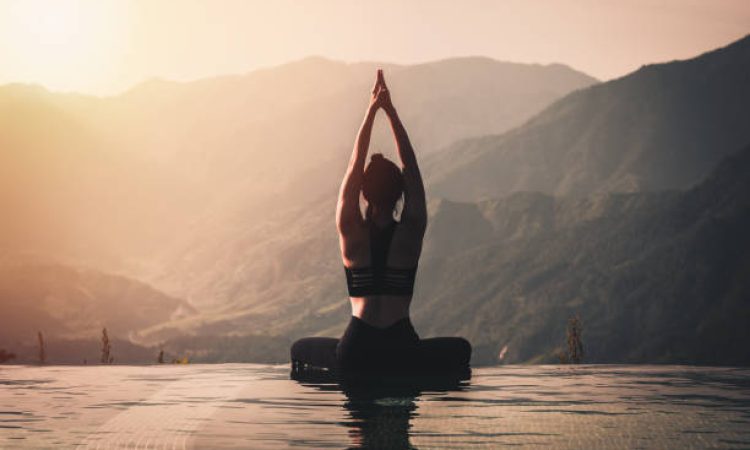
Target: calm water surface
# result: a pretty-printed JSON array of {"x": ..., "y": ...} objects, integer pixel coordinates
[{"x": 254, "y": 406}]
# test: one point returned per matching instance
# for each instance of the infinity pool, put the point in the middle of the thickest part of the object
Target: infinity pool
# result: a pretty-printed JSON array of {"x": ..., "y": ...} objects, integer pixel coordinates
[{"x": 254, "y": 406}]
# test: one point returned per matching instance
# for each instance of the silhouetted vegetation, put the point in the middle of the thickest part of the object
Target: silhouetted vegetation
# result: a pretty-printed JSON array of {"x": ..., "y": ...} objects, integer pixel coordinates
[
  {"x": 107, "y": 358},
  {"x": 160, "y": 358},
  {"x": 42, "y": 351},
  {"x": 198, "y": 349},
  {"x": 574, "y": 341}
]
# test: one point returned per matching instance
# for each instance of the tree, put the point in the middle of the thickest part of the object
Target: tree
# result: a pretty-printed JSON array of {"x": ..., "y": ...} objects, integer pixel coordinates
[
  {"x": 107, "y": 358},
  {"x": 42, "y": 351},
  {"x": 574, "y": 340},
  {"x": 160, "y": 359}
]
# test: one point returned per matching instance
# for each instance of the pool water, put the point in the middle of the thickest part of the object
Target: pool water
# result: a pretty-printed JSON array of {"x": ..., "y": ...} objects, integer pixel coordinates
[{"x": 257, "y": 407}]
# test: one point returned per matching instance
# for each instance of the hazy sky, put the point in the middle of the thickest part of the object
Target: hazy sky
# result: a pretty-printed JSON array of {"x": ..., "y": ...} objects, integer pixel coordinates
[{"x": 105, "y": 46}]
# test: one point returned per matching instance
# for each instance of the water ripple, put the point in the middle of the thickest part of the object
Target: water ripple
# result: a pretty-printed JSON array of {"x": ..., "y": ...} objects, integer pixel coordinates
[{"x": 241, "y": 406}]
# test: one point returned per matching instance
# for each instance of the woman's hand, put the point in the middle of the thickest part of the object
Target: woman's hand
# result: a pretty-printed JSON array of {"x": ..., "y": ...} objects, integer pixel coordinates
[
  {"x": 374, "y": 102},
  {"x": 384, "y": 95},
  {"x": 381, "y": 96}
]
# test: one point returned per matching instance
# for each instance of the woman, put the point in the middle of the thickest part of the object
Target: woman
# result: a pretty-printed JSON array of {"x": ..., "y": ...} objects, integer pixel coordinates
[{"x": 380, "y": 257}]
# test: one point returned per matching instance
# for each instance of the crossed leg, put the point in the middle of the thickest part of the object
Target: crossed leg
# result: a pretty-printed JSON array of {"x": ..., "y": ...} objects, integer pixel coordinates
[{"x": 432, "y": 354}]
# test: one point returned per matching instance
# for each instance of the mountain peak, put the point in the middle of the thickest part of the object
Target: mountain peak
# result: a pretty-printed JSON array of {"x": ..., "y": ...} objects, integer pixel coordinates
[
  {"x": 731, "y": 53},
  {"x": 665, "y": 126}
]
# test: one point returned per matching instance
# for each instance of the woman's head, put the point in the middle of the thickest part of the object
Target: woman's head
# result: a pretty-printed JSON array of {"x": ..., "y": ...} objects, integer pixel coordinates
[{"x": 383, "y": 183}]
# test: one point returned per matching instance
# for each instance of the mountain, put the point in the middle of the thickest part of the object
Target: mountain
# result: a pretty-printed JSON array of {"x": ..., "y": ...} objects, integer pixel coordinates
[
  {"x": 235, "y": 259},
  {"x": 110, "y": 182},
  {"x": 68, "y": 191},
  {"x": 507, "y": 270},
  {"x": 232, "y": 210},
  {"x": 665, "y": 126},
  {"x": 70, "y": 306},
  {"x": 443, "y": 101},
  {"x": 71, "y": 303},
  {"x": 655, "y": 276}
]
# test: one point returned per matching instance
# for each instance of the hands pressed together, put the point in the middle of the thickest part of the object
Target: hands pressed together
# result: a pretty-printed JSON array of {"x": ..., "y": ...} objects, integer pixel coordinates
[{"x": 381, "y": 96}]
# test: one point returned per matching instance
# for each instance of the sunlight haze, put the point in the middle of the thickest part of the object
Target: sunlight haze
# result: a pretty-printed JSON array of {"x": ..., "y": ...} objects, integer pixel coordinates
[
  {"x": 375, "y": 224},
  {"x": 105, "y": 47}
]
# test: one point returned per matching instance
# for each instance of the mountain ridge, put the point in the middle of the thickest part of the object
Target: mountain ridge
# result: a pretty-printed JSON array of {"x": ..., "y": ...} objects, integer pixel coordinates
[
  {"x": 654, "y": 261},
  {"x": 119, "y": 176},
  {"x": 611, "y": 203},
  {"x": 648, "y": 130},
  {"x": 521, "y": 265}
]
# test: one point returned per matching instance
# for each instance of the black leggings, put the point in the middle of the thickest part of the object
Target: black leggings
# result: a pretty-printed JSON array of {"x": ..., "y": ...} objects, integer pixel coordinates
[{"x": 396, "y": 348}]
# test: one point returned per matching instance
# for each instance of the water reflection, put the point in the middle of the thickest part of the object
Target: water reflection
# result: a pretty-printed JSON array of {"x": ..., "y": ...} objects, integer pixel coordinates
[
  {"x": 380, "y": 411},
  {"x": 380, "y": 418},
  {"x": 250, "y": 406}
]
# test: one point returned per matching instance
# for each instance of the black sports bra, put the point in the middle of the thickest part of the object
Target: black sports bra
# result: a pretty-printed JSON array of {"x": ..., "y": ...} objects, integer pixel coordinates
[{"x": 378, "y": 279}]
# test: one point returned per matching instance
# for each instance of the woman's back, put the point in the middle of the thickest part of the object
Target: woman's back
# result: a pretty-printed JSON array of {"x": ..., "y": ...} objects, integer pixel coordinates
[{"x": 380, "y": 272}]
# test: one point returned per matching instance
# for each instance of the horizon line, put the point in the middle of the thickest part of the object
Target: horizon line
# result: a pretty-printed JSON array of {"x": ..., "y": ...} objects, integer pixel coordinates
[{"x": 158, "y": 78}]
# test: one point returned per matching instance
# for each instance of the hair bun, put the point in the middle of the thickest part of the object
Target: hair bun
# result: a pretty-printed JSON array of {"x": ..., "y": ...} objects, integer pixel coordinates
[{"x": 377, "y": 157}]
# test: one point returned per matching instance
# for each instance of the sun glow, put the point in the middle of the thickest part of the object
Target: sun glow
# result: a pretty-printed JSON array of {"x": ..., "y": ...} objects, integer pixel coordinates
[
  {"x": 63, "y": 44},
  {"x": 107, "y": 46}
]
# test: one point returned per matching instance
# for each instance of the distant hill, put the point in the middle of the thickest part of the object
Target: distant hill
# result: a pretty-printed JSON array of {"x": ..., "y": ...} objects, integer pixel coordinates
[
  {"x": 510, "y": 270},
  {"x": 610, "y": 203},
  {"x": 655, "y": 276},
  {"x": 665, "y": 126},
  {"x": 442, "y": 101},
  {"x": 240, "y": 256},
  {"x": 110, "y": 181},
  {"x": 69, "y": 303},
  {"x": 70, "y": 306}
]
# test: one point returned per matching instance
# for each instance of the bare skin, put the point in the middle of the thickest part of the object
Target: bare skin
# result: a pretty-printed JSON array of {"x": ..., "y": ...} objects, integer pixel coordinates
[{"x": 406, "y": 246}]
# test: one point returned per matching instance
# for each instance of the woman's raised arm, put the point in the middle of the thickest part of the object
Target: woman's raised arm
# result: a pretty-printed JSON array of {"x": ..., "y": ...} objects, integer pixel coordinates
[
  {"x": 348, "y": 214},
  {"x": 414, "y": 213}
]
